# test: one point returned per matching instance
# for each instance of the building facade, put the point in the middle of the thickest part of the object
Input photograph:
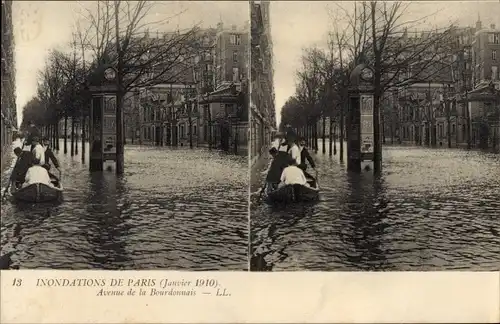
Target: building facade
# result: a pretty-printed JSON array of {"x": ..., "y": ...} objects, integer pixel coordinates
[
  {"x": 456, "y": 104},
  {"x": 262, "y": 106},
  {"x": 190, "y": 110},
  {"x": 8, "y": 109}
]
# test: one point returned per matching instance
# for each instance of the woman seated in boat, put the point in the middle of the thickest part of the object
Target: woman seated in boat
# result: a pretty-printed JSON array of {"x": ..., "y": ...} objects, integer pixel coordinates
[
  {"x": 37, "y": 174},
  {"x": 38, "y": 150},
  {"x": 24, "y": 162},
  {"x": 292, "y": 174}
]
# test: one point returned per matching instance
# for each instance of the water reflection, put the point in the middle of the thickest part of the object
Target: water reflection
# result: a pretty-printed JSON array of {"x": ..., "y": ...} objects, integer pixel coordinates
[
  {"x": 430, "y": 210},
  {"x": 172, "y": 209}
]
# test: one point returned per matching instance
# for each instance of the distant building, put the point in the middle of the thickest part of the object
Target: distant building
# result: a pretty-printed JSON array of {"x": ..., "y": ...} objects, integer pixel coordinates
[
  {"x": 262, "y": 107},
  {"x": 187, "y": 109},
  {"x": 8, "y": 108},
  {"x": 484, "y": 102}
]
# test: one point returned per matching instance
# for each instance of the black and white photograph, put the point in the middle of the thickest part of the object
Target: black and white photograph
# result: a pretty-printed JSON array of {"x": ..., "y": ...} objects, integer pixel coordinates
[
  {"x": 125, "y": 130},
  {"x": 375, "y": 136}
]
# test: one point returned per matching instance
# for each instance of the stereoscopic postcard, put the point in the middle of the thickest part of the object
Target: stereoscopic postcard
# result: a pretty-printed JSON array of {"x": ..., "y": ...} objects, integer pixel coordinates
[{"x": 250, "y": 162}]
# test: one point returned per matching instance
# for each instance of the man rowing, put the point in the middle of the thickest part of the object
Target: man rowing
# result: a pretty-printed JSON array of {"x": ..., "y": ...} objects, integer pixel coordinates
[{"x": 305, "y": 157}]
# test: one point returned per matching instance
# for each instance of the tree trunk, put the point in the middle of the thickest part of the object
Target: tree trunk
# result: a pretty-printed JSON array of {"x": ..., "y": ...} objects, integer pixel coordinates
[
  {"x": 449, "y": 129},
  {"x": 65, "y": 134},
  {"x": 468, "y": 120},
  {"x": 383, "y": 126},
  {"x": 190, "y": 132},
  {"x": 323, "y": 135},
  {"x": 72, "y": 148},
  {"x": 315, "y": 126},
  {"x": 341, "y": 132},
  {"x": 84, "y": 135},
  {"x": 330, "y": 138},
  {"x": 335, "y": 139},
  {"x": 209, "y": 113},
  {"x": 377, "y": 149},
  {"x": 57, "y": 136},
  {"x": 119, "y": 98},
  {"x": 236, "y": 138},
  {"x": 76, "y": 139}
]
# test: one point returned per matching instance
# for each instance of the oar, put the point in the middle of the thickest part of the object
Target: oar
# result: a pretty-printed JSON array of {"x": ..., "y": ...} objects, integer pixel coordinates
[
  {"x": 262, "y": 190},
  {"x": 317, "y": 181}
]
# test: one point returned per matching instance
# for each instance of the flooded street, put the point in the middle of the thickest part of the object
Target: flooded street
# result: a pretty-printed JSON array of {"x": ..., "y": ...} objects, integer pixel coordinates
[
  {"x": 432, "y": 209},
  {"x": 172, "y": 209}
]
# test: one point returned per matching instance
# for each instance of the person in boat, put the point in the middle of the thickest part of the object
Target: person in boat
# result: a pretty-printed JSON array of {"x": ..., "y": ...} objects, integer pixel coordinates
[
  {"x": 305, "y": 157},
  {"x": 38, "y": 150},
  {"x": 280, "y": 157},
  {"x": 292, "y": 174},
  {"x": 49, "y": 155},
  {"x": 24, "y": 162},
  {"x": 278, "y": 139},
  {"x": 37, "y": 174},
  {"x": 32, "y": 132},
  {"x": 293, "y": 148}
]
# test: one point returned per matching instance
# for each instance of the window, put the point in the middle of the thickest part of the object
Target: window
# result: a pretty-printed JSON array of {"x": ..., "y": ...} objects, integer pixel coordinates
[
  {"x": 235, "y": 56},
  {"x": 235, "y": 74},
  {"x": 235, "y": 39},
  {"x": 494, "y": 73},
  {"x": 496, "y": 39},
  {"x": 494, "y": 55},
  {"x": 453, "y": 129},
  {"x": 194, "y": 130}
]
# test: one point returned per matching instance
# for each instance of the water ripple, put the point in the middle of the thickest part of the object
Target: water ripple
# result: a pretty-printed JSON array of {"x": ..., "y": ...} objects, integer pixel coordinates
[
  {"x": 432, "y": 209},
  {"x": 172, "y": 209}
]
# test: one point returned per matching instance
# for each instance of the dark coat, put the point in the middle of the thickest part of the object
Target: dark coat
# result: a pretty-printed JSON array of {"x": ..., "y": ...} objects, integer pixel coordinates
[
  {"x": 279, "y": 163},
  {"x": 49, "y": 156},
  {"x": 304, "y": 155},
  {"x": 24, "y": 162}
]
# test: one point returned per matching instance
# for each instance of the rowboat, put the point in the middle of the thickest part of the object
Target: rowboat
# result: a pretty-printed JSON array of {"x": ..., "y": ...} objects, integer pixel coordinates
[
  {"x": 293, "y": 193},
  {"x": 37, "y": 192}
]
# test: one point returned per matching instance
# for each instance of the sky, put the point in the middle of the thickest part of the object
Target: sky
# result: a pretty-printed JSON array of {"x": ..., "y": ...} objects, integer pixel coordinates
[
  {"x": 296, "y": 25},
  {"x": 40, "y": 26}
]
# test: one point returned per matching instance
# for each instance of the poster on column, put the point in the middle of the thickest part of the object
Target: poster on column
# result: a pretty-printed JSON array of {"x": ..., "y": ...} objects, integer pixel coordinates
[
  {"x": 109, "y": 128},
  {"x": 367, "y": 141}
]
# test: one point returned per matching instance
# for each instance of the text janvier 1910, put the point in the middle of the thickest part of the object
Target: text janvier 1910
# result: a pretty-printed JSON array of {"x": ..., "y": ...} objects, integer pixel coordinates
[{"x": 142, "y": 286}]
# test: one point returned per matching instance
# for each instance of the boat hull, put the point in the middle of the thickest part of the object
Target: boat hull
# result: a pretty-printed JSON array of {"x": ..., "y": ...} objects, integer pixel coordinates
[
  {"x": 37, "y": 193},
  {"x": 293, "y": 193}
]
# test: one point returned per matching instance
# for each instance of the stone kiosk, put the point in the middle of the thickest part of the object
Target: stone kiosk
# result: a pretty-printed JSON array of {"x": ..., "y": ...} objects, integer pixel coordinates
[
  {"x": 360, "y": 139},
  {"x": 103, "y": 88}
]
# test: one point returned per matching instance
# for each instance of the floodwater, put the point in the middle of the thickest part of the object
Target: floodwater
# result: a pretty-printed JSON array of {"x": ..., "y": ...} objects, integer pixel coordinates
[
  {"x": 173, "y": 209},
  {"x": 432, "y": 209}
]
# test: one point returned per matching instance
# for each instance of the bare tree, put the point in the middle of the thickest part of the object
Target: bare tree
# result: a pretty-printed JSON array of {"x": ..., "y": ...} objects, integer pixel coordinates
[{"x": 120, "y": 35}]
